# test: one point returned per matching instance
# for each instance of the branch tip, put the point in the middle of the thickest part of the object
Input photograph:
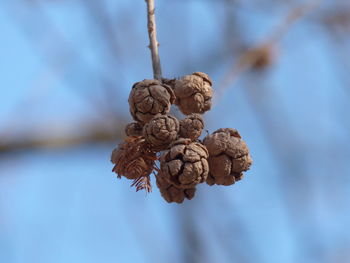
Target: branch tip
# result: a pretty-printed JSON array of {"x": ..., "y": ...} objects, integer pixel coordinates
[{"x": 152, "y": 33}]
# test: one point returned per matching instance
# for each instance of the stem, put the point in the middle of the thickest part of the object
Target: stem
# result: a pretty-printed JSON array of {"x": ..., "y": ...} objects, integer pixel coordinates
[
  {"x": 245, "y": 61},
  {"x": 152, "y": 33}
]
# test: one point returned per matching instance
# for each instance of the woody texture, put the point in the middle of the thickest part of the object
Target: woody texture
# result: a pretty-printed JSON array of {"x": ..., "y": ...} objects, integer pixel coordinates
[
  {"x": 194, "y": 93},
  {"x": 192, "y": 126},
  {"x": 149, "y": 98},
  {"x": 161, "y": 131},
  {"x": 228, "y": 157},
  {"x": 185, "y": 164},
  {"x": 172, "y": 150}
]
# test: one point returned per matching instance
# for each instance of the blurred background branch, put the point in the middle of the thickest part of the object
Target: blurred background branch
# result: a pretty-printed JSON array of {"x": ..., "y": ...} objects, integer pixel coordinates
[
  {"x": 261, "y": 56},
  {"x": 67, "y": 69}
]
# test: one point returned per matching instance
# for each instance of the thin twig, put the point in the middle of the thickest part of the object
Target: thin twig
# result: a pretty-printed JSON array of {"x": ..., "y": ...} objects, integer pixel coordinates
[
  {"x": 291, "y": 18},
  {"x": 152, "y": 33},
  {"x": 248, "y": 58},
  {"x": 97, "y": 133},
  {"x": 62, "y": 54}
]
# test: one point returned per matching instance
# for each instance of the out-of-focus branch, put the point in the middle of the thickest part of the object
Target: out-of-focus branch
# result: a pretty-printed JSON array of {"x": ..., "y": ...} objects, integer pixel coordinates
[
  {"x": 261, "y": 54},
  {"x": 99, "y": 15},
  {"x": 113, "y": 60},
  {"x": 152, "y": 33},
  {"x": 336, "y": 22},
  {"x": 291, "y": 18},
  {"x": 95, "y": 135},
  {"x": 59, "y": 59}
]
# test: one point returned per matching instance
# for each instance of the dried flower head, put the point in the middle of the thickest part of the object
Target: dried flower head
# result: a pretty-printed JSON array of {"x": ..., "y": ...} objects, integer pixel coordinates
[
  {"x": 228, "y": 156},
  {"x": 161, "y": 131},
  {"x": 134, "y": 159},
  {"x": 148, "y": 98},
  {"x": 193, "y": 93},
  {"x": 172, "y": 193},
  {"x": 185, "y": 164},
  {"x": 191, "y": 127},
  {"x": 134, "y": 129}
]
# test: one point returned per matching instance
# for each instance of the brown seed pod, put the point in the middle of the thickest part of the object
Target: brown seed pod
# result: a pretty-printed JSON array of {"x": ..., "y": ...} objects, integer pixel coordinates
[
  {"x": 191, "y": 127},
  {"x": 172, "y": 193},
  {"x": 133, "y": 158},
  {"x": 228, "y": 156},
  {"x": 224, "y": 180},
  {"x": 185, "y": 164},
  {"x": 193, "y": 93},
  {"x": 261, "y": 57},
  {"x": 169, "y": 82},
  {"x": 134, "y": 129},
  {"x": 148, "y": 98},
  {"x": 161, "y": 131}
]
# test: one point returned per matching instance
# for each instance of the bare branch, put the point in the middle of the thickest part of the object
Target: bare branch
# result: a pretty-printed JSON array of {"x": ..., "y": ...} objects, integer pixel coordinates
[
  {"x": 152, "y": 33},
  {"x": 95, "y": 134},
  {"x": 249, "y": 58},
  {"x": 291, "y": 18}
]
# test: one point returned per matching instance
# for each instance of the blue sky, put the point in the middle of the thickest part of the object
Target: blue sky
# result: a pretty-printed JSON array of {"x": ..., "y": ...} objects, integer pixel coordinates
[{"x": 65, "y": 205}]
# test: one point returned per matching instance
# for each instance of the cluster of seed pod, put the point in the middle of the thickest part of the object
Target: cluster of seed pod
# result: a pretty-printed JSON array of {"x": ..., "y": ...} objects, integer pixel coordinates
[{"x": 157, "y": 136}]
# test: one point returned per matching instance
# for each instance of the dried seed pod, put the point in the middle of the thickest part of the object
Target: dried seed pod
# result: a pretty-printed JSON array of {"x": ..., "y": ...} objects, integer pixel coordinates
[
  {"x": 228, "y": 156},
  {"x": 148, "y": 98},
  {"x": 134, "y": 129},
  {"x": 169, "y": 82},
  {"x": 161, "y": 131},
  {"x": 185, "y": 164},
  {"x": 133, "y": 158},
  {"x": 193, "y": 93},
  {"x": 191, "y": 127},
  {"x": 172, "y": 193},
  {"x": 261, "y": 57}
]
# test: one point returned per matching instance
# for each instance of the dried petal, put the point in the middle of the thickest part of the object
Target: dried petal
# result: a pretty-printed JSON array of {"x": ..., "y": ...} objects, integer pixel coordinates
[{"x": 134, "y": 159}]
